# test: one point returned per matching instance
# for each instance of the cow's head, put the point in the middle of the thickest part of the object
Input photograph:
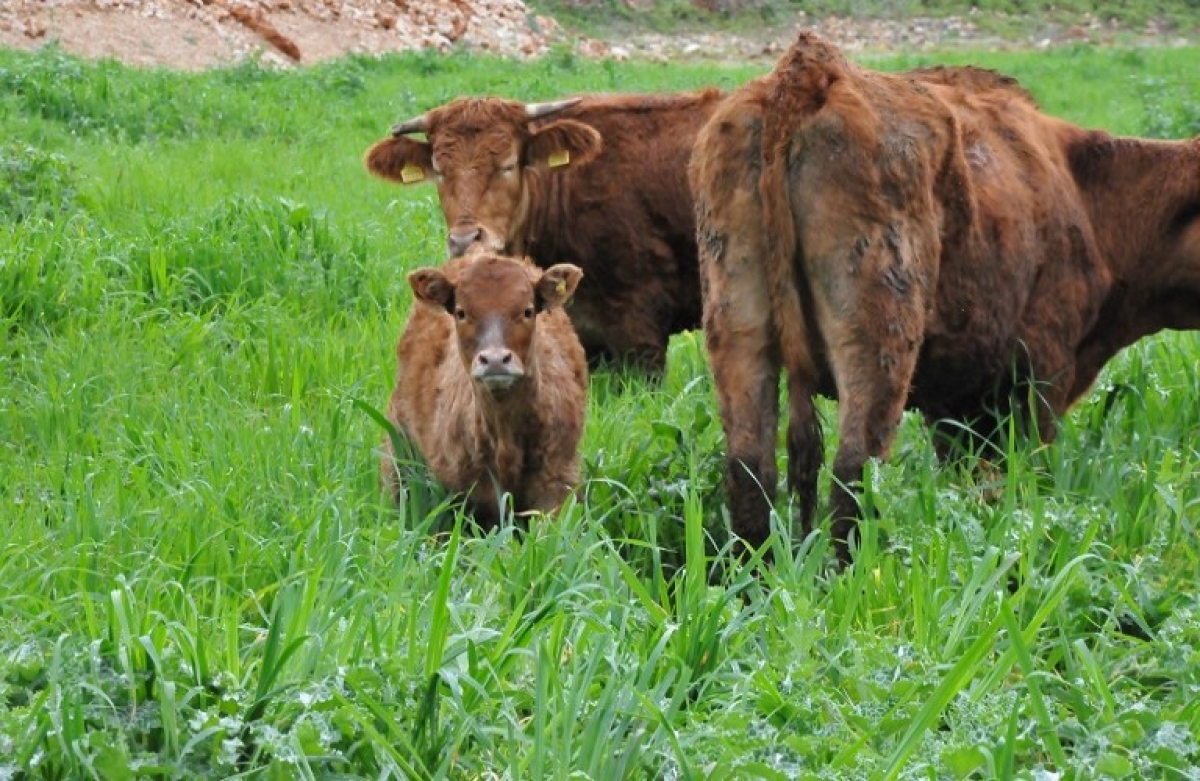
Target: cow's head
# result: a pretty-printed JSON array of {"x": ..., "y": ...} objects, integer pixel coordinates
[
  {"x": 480, "y": 151},
  {"x": 495, "y": 302}
]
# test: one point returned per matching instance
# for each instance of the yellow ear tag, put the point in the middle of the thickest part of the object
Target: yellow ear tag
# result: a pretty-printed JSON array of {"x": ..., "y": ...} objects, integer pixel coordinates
[
  {"x": 561, "y": 287},
  {"x": 411, "y": 172},
  {"x": 561, "y": 157}
]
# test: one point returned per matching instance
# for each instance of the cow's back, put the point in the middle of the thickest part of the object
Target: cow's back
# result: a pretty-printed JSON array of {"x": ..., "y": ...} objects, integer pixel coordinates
[
  {"x": 640, "y": 177},
  {"x": 627, "y": 218}
]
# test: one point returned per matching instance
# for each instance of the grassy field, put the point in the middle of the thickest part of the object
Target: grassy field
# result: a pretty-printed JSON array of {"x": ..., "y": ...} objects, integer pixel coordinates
[
  {"x": 200, "y": 289},
  {"x": 612, "y": 16}
]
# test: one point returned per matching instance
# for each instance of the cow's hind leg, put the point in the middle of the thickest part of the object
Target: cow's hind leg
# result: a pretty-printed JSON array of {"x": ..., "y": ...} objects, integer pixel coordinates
[
  {"x": 1046, "y": 391},
  {"x": 805, "y": 447},
  {"x": 745, "y": 363},
  {"x": 1051, "y": 332},
  {"x": 872, "y": 320},
  {"x": 746, "y": 375}
]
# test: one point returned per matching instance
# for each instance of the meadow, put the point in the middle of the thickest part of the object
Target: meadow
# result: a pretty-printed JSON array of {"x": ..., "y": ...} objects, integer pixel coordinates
[{"x": 200, "y": 291}]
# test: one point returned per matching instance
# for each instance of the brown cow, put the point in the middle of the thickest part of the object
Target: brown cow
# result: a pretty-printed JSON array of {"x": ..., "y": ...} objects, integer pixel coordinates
[
  {"x": 928, "y": 239},
  {"x": 598, "y": 181},
  {"x": 491, "y": 384}
]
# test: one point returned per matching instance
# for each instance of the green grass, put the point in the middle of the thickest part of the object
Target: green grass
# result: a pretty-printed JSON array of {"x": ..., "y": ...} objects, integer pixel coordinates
[
  {"x": 200, "y": 289},
  {"x": 612, "y": 18}
]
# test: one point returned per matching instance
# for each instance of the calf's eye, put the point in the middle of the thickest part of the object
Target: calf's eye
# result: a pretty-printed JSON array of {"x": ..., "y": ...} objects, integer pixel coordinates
[
  {"x": 528, "y": 313},
  {"x": 461, "y": 314}
]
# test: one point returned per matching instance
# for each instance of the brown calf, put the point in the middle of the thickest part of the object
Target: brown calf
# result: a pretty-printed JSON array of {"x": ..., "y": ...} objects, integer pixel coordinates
[
  {"x": 598, "y": 181},
  {"x": 491, "y": 383},
  {"x": 920, "y": 239}
]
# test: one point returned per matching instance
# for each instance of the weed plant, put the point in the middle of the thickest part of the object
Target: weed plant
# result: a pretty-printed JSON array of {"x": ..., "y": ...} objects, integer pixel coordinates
[{"x": 200, "y": 289}]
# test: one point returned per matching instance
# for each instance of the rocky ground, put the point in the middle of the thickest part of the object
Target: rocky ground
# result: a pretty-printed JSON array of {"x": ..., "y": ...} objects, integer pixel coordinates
[{"x": 202, "y": 33}]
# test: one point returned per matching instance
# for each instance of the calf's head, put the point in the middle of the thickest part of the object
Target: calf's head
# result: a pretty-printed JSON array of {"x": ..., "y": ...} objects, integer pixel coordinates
[
  {"x": 480, "y": 152},
  {"x": 495, "y": 302}
]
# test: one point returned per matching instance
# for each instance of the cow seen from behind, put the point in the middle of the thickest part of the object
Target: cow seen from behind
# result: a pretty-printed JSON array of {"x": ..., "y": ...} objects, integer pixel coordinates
[
  {"x": 598, "y": 181},
  {"x": 928, "y": 239},
  {"x": 491, "y": 383}
]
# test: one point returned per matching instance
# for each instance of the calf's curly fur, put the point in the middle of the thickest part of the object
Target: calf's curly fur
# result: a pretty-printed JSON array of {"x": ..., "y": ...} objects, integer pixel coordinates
[{"x": 491, "y": 383}]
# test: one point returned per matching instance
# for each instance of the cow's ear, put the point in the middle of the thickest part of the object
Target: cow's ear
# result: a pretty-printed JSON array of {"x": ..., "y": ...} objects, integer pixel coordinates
[
  {"x": 557, "y": 285},
  {"x": 565, "y": 142},
  {"x": 400, "y": 159},
  {"x": 433, "y": 287}
]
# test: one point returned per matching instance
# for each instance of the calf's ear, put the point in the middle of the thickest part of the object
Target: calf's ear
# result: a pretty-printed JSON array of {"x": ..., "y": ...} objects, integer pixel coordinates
[
  {"x": 565, "y": 142},
  {"x": 433, "y": 287},
  {"x": 557, "y": 284},
  {"x": 400, "y": 159}
]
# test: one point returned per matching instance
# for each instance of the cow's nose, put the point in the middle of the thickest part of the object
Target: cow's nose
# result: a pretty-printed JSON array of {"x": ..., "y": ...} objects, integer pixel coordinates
[
  {"x": 494, "y": 359},
  {"x": 461, "y": 238}
]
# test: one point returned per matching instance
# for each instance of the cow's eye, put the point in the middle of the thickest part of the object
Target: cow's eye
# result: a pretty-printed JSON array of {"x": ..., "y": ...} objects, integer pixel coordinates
[
  {"x": 460, "y": 314},
  {"x": 528, "y": 313},
  {"x": 508, "y": 169}
]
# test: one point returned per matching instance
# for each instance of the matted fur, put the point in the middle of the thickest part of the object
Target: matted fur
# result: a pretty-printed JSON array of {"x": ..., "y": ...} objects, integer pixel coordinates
[
  {"x": 523, "y": 440},
  {"x": 926, "y": 239}
]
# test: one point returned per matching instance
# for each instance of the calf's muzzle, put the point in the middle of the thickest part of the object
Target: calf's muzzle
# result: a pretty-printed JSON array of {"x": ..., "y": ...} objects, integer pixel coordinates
[{"x": 497, "y": 368}]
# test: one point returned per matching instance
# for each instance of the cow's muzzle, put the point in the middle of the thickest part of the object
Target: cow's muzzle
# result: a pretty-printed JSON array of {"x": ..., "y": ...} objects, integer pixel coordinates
[
  {"x": 497, "y": 368},
  {"x": 459, "y": 239},
  {"x": 469, "y": 238}
]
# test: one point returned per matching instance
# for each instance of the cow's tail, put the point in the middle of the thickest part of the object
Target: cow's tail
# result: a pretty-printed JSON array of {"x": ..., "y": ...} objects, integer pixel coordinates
[
  {"x": 801, "y": 84},
  {"x": 779, "y": 238}
]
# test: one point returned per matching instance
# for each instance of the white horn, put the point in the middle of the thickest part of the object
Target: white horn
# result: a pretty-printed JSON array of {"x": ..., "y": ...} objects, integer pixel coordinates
[
  {"x": 535, "y": 110},
  {"x": 415, "y": 125}
]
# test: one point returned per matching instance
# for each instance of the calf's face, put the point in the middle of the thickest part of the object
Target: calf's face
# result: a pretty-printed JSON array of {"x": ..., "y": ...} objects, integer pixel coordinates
[
  {"x": 495, "y": 302},
  {"x": 478, "y": 152}
]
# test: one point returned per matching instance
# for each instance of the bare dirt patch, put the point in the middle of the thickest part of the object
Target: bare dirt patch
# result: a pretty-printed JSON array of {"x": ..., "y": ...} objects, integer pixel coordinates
[
  {"x": 202, "y": 33},
  {"x": 193, "y": 34}
]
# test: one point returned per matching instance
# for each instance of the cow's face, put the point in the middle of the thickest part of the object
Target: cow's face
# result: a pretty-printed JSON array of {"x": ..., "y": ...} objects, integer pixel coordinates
[
  {"x": 479, "y": 152},
  {"x": 495, "y": 302}
]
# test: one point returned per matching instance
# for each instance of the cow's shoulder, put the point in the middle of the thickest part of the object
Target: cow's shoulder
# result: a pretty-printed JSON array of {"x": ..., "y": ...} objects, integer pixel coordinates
[{"x": 1097, "y": 156}]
